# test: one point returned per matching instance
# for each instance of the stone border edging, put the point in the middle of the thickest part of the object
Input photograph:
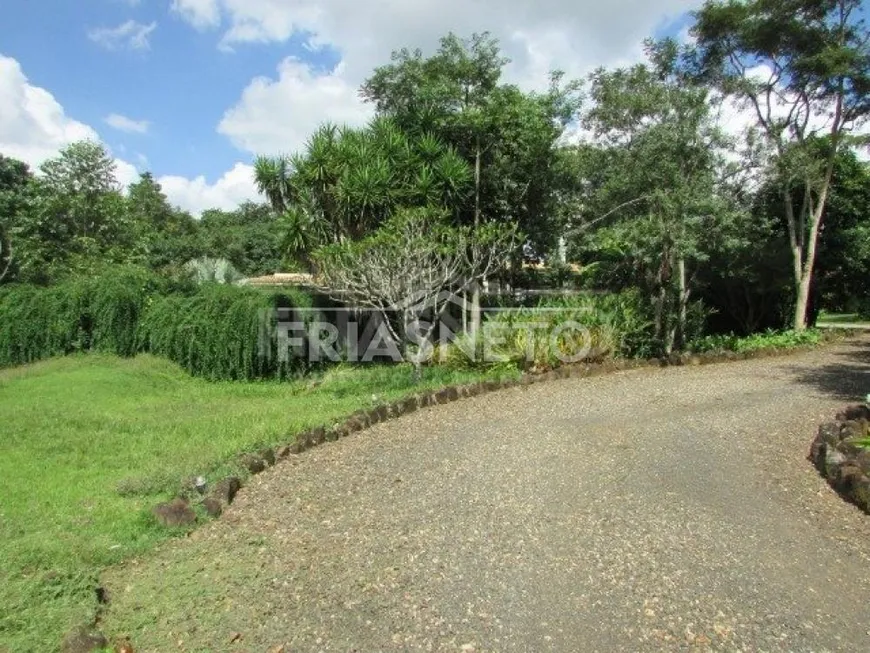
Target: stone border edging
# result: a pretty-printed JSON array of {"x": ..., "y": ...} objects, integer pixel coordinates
[
  {"x": 179, "y": 512},
  {"x": 844, "y": 464}
]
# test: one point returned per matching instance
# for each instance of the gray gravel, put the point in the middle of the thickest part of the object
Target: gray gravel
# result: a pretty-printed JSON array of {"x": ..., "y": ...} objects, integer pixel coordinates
[{"x": 648, "y": 510}]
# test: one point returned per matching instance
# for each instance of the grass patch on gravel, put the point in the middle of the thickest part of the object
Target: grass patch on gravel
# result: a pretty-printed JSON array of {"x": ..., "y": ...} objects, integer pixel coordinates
[
  {"x": 91, "y": 442},
  {"x": 758, "y": 341}
]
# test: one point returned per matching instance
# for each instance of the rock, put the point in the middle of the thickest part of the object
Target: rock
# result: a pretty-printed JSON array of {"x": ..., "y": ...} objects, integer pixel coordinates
[
  {"x": 817, "y": 453},
  {"x": 213, "y": 506},
  {"x": 861, "y": 493},
  {"x": 410, "y": 404},
  {"x": 362, "y": 417},
  {"x": 253, "y": 463},
  {"x": 862, "y": 460},
  {"x": 226, "y": 489},
  {"x": 853, "y": 429},
  {"x": 268, "y": 454},
  {"x": 833, "y": 460},
  {"x": 83, "y": 640},
  {"x": 447, "y": 395},
  {"x": 829, "y": 433},
  {"x": 848, "y": 477},
  {"x": 174, "y": 513},
  {"x": 856, "y": 412}
]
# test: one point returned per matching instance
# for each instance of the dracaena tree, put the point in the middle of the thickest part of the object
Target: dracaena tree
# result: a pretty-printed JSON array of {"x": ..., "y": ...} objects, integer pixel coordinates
[
  {"x": 802, "y": 68},
  {"x": 347, "y": 182}
]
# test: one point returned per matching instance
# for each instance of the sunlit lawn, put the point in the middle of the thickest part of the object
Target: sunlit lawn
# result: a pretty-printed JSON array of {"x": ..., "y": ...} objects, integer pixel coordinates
[{"x": 90, "y": 443}]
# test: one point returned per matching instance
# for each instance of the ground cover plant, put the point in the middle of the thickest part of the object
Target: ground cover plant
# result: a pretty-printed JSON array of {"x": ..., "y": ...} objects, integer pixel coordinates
[{"x": 91, "y": 442}]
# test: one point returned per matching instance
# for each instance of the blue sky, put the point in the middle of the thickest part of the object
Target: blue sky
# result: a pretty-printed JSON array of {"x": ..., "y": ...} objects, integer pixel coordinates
[{"x": 200, "y": 86}]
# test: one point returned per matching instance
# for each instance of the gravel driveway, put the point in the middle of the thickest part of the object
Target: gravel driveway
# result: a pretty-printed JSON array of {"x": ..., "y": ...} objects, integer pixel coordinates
[{"x": 648, "y": 510}]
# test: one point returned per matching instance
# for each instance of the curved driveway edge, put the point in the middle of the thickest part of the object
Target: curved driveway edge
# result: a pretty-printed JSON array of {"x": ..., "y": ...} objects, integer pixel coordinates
[{"x": 656, "y": 509}]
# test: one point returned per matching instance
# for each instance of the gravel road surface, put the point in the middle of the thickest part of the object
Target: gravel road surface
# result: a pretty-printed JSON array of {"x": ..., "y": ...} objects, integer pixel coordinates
[{"x": 649, "y": 510}]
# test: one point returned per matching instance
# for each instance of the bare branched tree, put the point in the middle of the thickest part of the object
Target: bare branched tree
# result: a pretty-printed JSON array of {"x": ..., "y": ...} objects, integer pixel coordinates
[{"x": 410, "y": 269}]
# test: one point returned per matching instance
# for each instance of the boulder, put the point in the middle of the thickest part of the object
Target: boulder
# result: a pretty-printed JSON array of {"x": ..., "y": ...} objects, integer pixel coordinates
[
  {"x": 253, "y": 463},
  {"x": 856, "y": 412},
  {"x": 268, "y": 454},
  {"x": 175, "y": 513},
  {"x": 833, "y": 460},
  {"x": 226, "y": 489},
  {"x": 213, "y": 506},
  {"x": 83, "y": 640}
]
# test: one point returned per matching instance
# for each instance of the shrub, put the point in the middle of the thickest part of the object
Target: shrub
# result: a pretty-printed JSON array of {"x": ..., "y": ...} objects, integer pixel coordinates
[
  {"x": 222, "y": 332},
  {"x": 757, "y": 341},
  {"x": 82, "y": 313},
  {"x": 614, "y": 325}
]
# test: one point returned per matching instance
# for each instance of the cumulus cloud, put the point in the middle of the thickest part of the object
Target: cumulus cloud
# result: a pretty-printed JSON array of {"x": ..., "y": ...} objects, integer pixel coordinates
[
  {"x": 278, "y": 115},
  {"x": 197, "y": 195},
  {"x": 202, "y": 14},
  {"x": 33, "y": 125},
  {"x": 131, "y": 35},
  {"x": 125, "y": 124}
]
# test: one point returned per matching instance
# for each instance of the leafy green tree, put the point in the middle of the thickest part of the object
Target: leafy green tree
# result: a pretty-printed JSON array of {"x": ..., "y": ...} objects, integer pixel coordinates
[
  {"x": 169, "y": 235},
  {"x": 249, "y": 237},
  {"x": 78, "y": 217},
  {"x": 15, "y": 190},
  {"x": 348, "y": 182},
  {"x": 803, "y": 67},
  {"x": 651, "y": 187},
  {"x": 509, "y": 138}
]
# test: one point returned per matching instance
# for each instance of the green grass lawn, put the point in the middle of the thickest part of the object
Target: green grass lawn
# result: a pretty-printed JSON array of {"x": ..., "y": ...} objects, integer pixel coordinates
[
  {"x": 90, "y": 443},
  {"x": 842, "y": 318}
]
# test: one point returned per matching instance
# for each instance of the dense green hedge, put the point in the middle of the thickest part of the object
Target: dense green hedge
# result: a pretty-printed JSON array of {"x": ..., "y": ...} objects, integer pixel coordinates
[
  {"x": 213, "y": 331},
  {"x": 86, "y": 313},
  {"x": 221, "y": 332}
]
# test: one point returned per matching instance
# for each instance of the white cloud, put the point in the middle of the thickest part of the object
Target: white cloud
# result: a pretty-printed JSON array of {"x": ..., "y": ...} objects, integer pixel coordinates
[
  {"x": 130, "y": 35},
  {"x": 33, "y": 125},
  {"x": 278, "y": 115},
  {"x": 197, "y": 195},
  {"x": 125, "y": 124},
  {"x": 202, "y": 14}
]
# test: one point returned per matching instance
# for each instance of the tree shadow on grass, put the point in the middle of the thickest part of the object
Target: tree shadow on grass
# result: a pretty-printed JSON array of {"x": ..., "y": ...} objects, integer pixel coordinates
[{"x": 847, "y": 379}]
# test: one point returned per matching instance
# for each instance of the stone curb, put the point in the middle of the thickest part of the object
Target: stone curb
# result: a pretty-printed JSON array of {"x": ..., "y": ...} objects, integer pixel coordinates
[
  {"x": 361, "y": 420},
  {"x": 223, "y": 493},
  {"x": 844, "y": 464}
]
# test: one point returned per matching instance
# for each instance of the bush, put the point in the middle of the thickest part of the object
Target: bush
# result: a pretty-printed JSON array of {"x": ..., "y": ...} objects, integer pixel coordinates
[
  {"x": 83, "y": 313},
  {"x": 222, "y": 332},
  {"x": 613, "y": 325},
  {"x": 758, "y": 341}
]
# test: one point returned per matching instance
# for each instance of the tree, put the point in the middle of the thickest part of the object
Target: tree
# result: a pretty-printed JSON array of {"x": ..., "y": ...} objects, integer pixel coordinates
[
  {"x": 803, "y": 67},
  {"x": 651, "y": 189},
  {"x": 78, "y": 217},
  {"x": 509, "y": 138},
  {"x": 411, "y": 267},
  {"x": 15, "y": 187},
  {"x": 169, "y": 235},
  {"x": 347, "y": 182}
]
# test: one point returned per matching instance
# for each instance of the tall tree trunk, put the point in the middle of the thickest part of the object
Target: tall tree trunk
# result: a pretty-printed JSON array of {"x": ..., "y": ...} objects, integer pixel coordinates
[
  {"x": 475, "y": 299},
  {"x": 804, "y": 262},
  {"x": 684, "y": 303}
]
